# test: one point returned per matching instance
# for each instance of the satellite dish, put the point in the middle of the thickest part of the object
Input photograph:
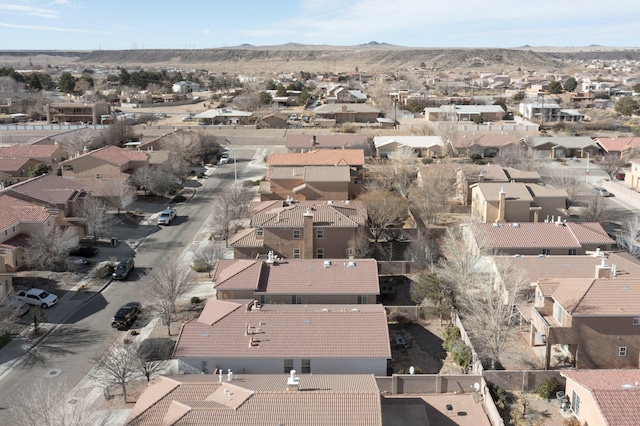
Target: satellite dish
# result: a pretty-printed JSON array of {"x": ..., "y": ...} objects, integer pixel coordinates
[{"x": 476, "y": 386}]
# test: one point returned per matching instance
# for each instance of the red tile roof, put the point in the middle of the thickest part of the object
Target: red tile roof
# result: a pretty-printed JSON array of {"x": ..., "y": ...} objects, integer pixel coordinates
[
  {"x": 14, "y": 211},
  {"x": 541, "y": 235},
  {"x": 617, "y": 144},
  {"x": 285, "y": 331},
  {"x": 113, "y": 154},
  {"x": 13, "y": 164},
  {"x": 616, "y": 393},
  {"x": 28, "y": 151},
  {"x": 299, "y": 276},
  {"x": 337, "y": 214},
  {"x": 319, "y": 157},
  {"x": 259, "y": 399}
]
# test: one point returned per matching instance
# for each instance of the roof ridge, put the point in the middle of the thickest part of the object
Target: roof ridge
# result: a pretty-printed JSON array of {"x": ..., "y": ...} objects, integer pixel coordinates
[{"x": 584, "y": 294}]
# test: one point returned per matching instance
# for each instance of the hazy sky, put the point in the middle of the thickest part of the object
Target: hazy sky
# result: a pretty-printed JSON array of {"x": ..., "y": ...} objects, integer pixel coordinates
[{"x": 196, "y": 24}]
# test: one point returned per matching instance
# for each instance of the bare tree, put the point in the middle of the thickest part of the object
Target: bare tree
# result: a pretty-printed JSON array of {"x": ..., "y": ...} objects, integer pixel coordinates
[
  {"x": 116, "y": 367},
  {"x": 152, "y": 180},
  {"x": 433, "y": 292},
  {"x": 8, "y": 314},
  {"x": 152, "y": 355},
  {"x": 165, "y": 285},
  {"x": 206, "y": 256},
  {"x": 627, "y": 237},
  {"x": 117, "y": 133},
  {"x": 488, "y": 309},
  {"x": 385, "y": 209},
  {"x": 362, "y": 245},
  {"x": 569, "y": 180},
  {"x": 597, "y": 210},
  {"x": 611, "y": 164},
  {"x": 49, "y": 248},
  {"x": 47, "y": 403},
  {"x": 434, "y": 193},
  {"x": 143, "y": 178},
  {"x": 232, "y": 205},
  {"x": 119, "y": 194},
  {"x": 521, "y": 157},
  {"x": 423, "y": 249},
  {"x": 98, "y": 220}
]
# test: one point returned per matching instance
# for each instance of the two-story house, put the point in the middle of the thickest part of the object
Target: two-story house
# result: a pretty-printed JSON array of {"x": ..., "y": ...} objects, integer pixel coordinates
[
  {"x": 249, "y": 338},
  {"x": 592, "y": 322},
  {"x": 76, "y": 112},
  {"x": 347, "y": 113},
  {"x": 301, "y": 230},
  {"x": 468, "y": 175},
  {"x": 50, "y": 155},
  {"x": 298, "y": 281},
  {"x": 14, "y": 170},
  {"x": 516, "y": 202}
]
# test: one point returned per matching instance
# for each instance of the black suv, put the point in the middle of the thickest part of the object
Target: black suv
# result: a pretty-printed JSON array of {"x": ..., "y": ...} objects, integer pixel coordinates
[
  {"x": 122, "y": 269},
  {"x": 126, "y": 315}
]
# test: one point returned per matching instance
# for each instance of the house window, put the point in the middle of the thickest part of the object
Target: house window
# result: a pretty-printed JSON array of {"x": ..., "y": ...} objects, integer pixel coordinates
[
  {"x": 98, "y": 176},
  {"x": 362, "y": 300},
  {"x": 288, "y": 365},
  {"x": 575, "y": 403},
  {"x": 320, "y": 233},
  {"x": 296, "y": 253},
  {"x": 636, "y": 321},
  {"x": 306, "y": 366},
  {"x": 259, "y": 232},
  {"x": 296, "y": 233},
  {"x": 320, "y": 253},
  {"x": 349, "y": 251},
  {"x": 296, "y": 299},
  {"x": 546, "y": 252},
  {"x": 265, "y": 299},
  {"x": 572, "y": 252},
  {"x": 539, "y": 294},
  {"x": 622, "y": 351},
  {"x": 557, "y": 312}
]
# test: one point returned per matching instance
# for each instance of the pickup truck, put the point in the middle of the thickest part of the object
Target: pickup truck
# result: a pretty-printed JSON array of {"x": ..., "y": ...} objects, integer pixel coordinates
[{"x": 166, "y": 216}]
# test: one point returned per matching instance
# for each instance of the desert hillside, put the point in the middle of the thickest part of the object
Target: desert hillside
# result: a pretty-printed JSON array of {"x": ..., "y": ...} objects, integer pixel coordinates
[{"x": 295, "y": 57}]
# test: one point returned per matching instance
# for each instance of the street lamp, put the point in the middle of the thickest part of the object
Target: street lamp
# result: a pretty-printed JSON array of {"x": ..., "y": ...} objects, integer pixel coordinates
[{"x": 235, "y": 169}]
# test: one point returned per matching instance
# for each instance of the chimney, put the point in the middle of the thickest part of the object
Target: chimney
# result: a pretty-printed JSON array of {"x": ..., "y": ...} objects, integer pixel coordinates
[
  {"x": 603, "y": 270},
  {"x": 344, "y": 108},
  {"x": 313, "y": 140},
  {"x": 85, "y": 150},
  {"x": 293, "y": 382},
  {"x": 502, "y": 205},
  {"x": 481, "y": 176}
]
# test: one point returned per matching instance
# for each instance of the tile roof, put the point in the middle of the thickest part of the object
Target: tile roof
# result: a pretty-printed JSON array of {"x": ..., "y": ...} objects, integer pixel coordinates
[
  {"x": 564, "y": 141},
  {"x": 325, "y": 141},
  {"x": 615, "y": 392},
  {"x": 617, "y": 144},
  {"x": 28, "y": 151},
  {"x": 490, "y": 172},
  {"x": 285, "y": 331},
  {"x": 410, "y": 141},
  {"x": 13, "y": 164},
  {"x": 17, "y": 241},
  {"x": 318, "y": 157},
  {"x": 515, "y": 191},
  {"x": 246, "y": 238},
  {"x": 48, "y": 188},
  {"x": 334, "y": 173},
  {"x": 113, "y": 154},
  {"x": 14, "y": 211},
  {"x": 339, "y": 108},
  {"x": 259, "y": 399},
  {"x": 336, "y": 214},
  {"x": 461, "y": 141},
  {"x": 538, "y": 235},
  {"x": 299, "y": 276},
  {"x": 516, "y": 174}
]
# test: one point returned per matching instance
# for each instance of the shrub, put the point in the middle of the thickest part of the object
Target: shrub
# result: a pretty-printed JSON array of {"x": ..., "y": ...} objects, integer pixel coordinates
[
  {"x": 499, "y": 395},
  {"x": 400, "y": 317},
  {"x": 451, "y": 335},
  {"x": 178, "y": 199},
  {"x": 348, "y": 128},
  {"x": 199, "y": 267},
  {"x": 461, "y": 353},
  {"x": 547, "y": 389},
  {"x": 195, "y": 299},
  {"x": 201, "y": 175}
]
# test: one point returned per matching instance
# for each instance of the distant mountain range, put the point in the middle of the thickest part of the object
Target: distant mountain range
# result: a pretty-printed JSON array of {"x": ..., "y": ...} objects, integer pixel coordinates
[{"x": 372, "y": 56}]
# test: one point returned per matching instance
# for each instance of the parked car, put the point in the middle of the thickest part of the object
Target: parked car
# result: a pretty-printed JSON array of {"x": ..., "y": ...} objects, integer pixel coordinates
[
  {"x": 166, "y": 216},
  {"x": 84, "y": 251},
  {"x": 621, "y": 175},
  {"x": 293, "y": 116},
  {"x": 601, "y": 192},
  {"x": 224, "y": 158},
  {"x": 123, "y": 268},
  {"x": 37, "y": 297},
  {"x": 126, "y": 315}
]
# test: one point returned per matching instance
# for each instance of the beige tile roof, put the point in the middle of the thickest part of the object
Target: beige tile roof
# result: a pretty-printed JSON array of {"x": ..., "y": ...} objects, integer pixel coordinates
[
  {"x": 286, "y": 331},
  {"x": 259, "y": 400},
  {"x": 28, "y": 151},
  {"x": 339, "y": 173},
  {"x": 538, "y": 235},
  {"x": 14, "y": 211},
  {"x": 48, "y": 188},
  {"x": 490, "y": 172},
  {"x": 615, "y": 392},
  {"x": 299, "y": 276},
  {"x": 318, "y": 157},
  {"x": 488, "y": 140},
  {"x": 13, "y": 164},
  {"x": 336, "y": 214},
  {"x": 113, "y": 154},
  {"x": 517, "y": 175}
]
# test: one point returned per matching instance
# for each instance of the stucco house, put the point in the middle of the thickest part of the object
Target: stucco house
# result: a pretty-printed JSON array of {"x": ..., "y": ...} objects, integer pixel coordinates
[
  {"x": 483, "y": 144},
  {"x": 566, "y": 146},
  {"x": 275, "y": 399},
  {"x": 347, "y": 113},
  {"x": 109, "y": 162},
  {"x": 418, "y": 146},
  {"x": 464, "y": 113},
  {"x": 301, "y": 230},
  {"x": 225, "y": 116},
  {"x": 76, "y": 112},
  {"x": 602, "y": 397},
  {"x": 276, "y": 120},
  {"x": 310, "y": 183},
  {"x": 516, "y": 202},
  {"x": 470, "y": 174},
  {"x": 14, "y": 170},
  {"x": 298, "y": 281},
  {"x": 50, "y": 155},
  {"x": 310, "y": 142},
  {"x": 249, "y": 338}
]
